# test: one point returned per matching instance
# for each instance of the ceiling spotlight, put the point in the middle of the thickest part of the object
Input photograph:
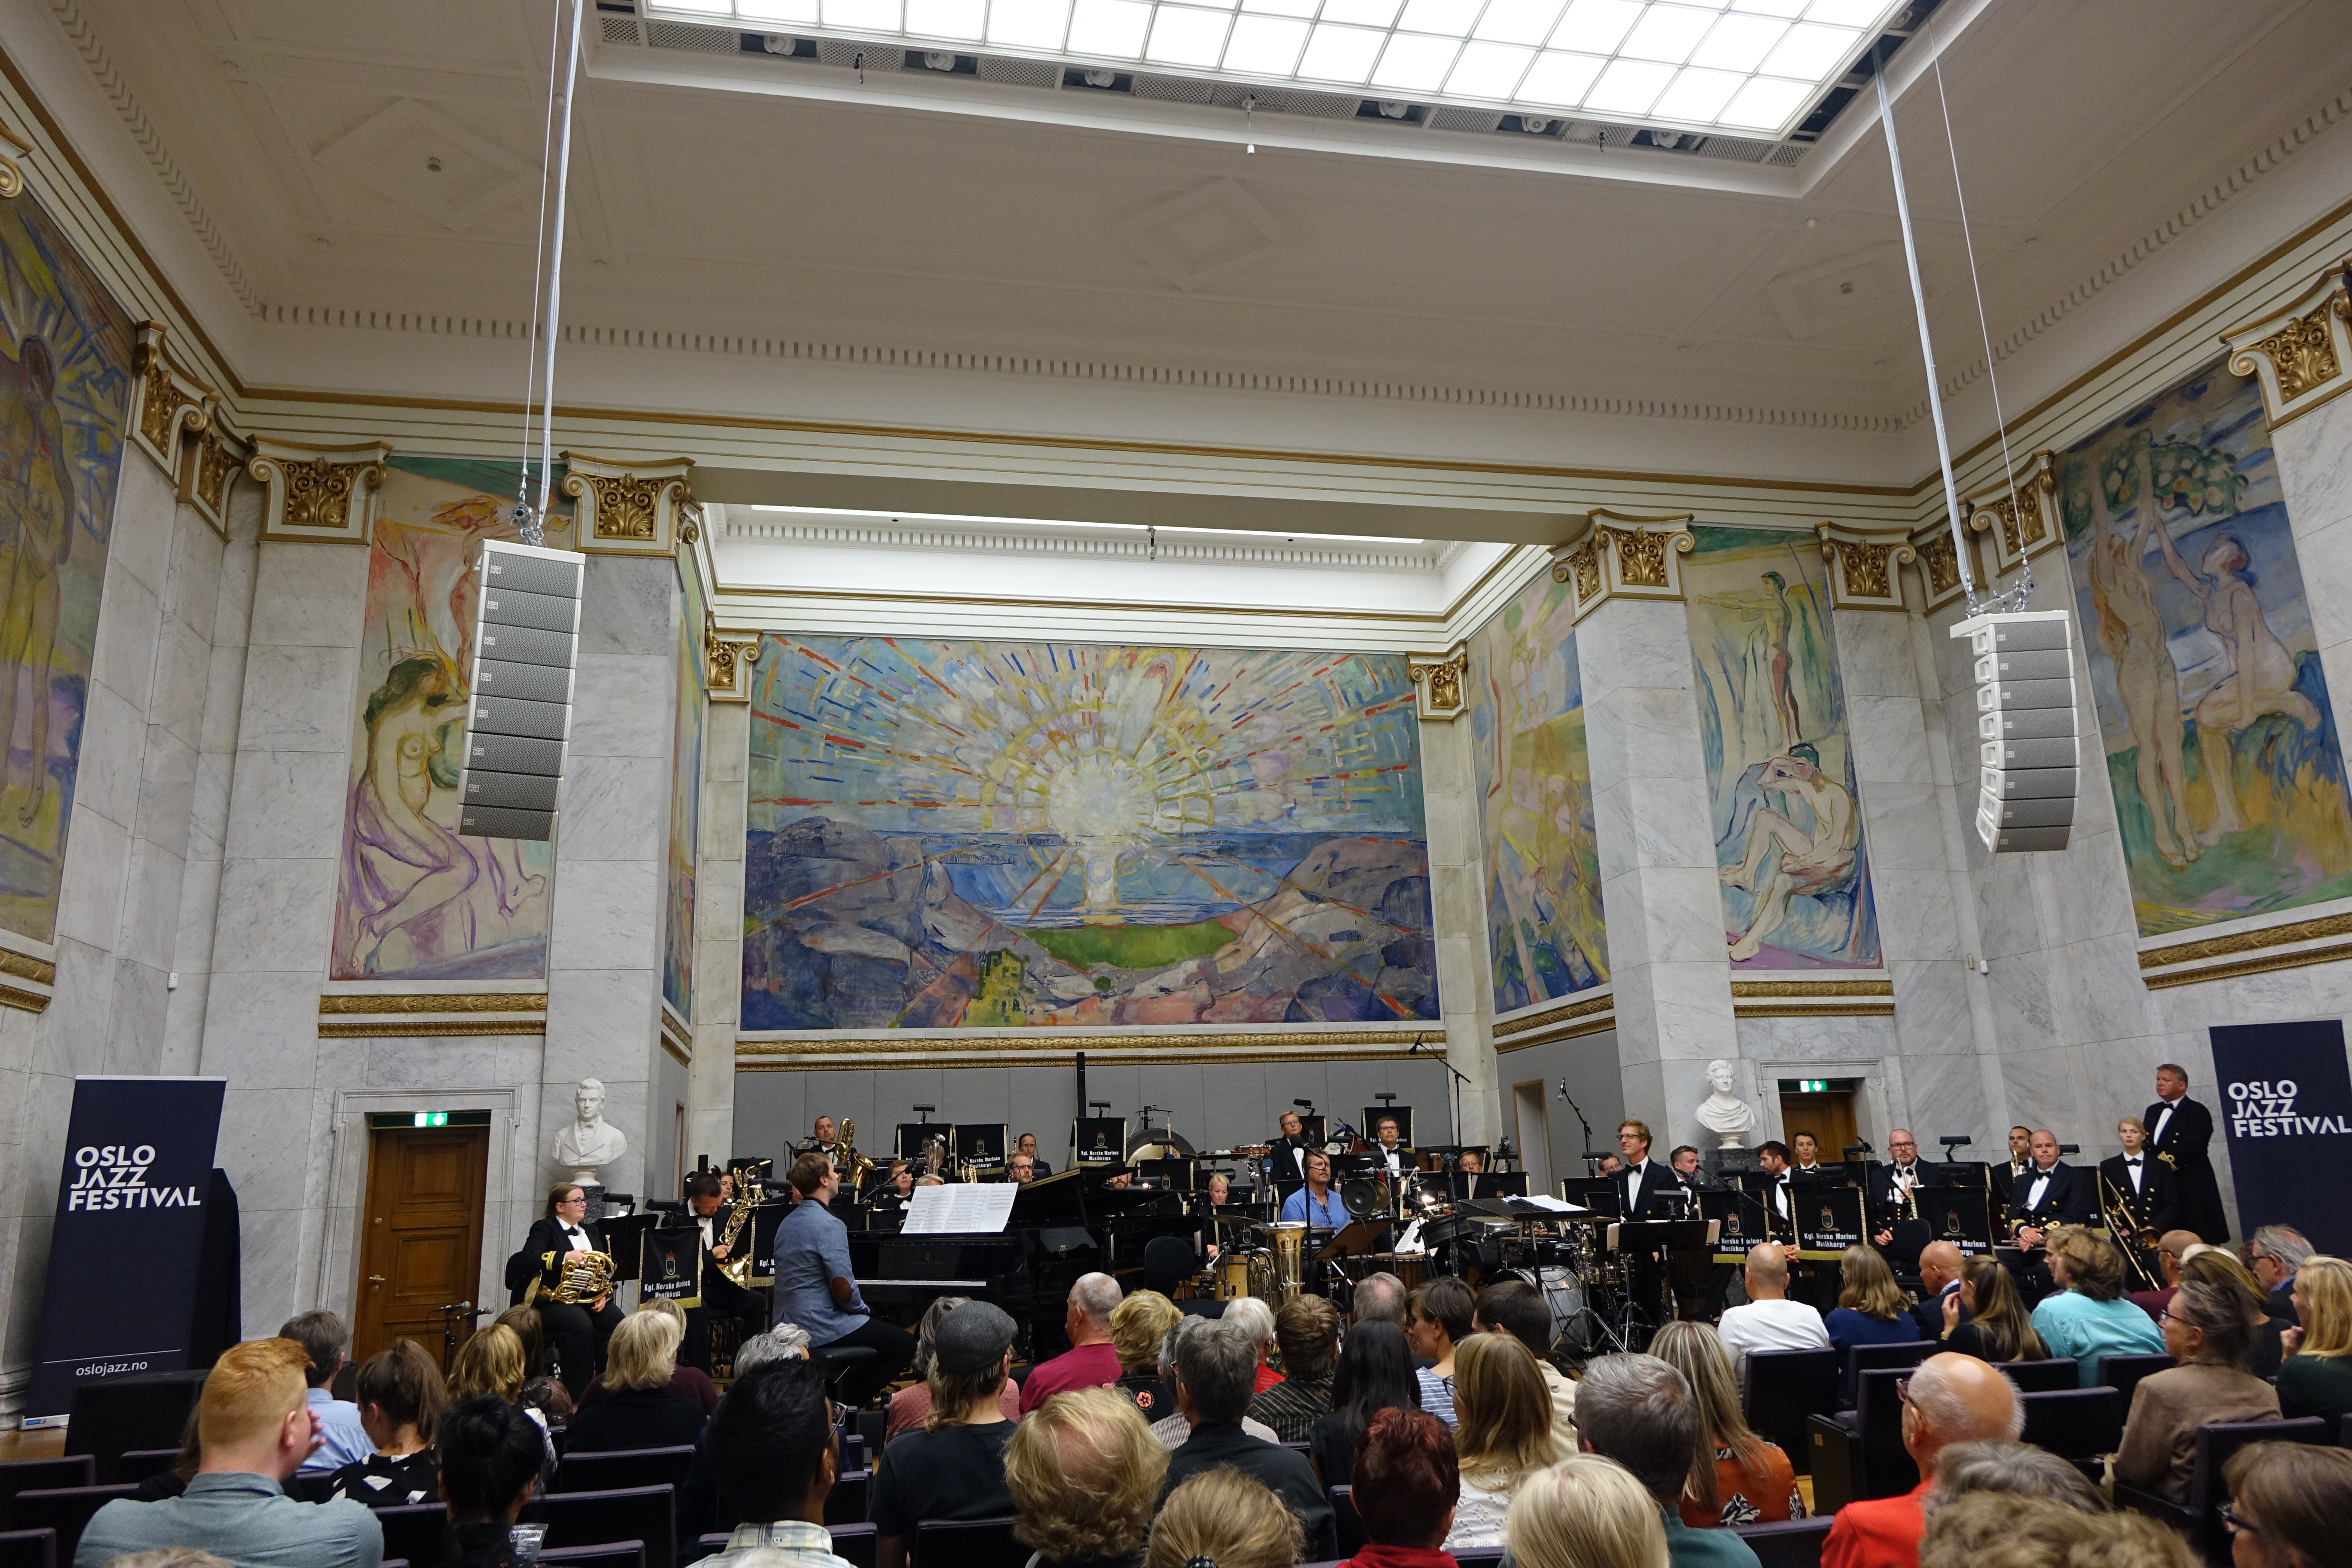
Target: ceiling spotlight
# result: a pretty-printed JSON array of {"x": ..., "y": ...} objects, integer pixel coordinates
[
  {"x": 1533, "y": 125},
  {"x": 1394, "y": 109},
  {"x": 1102, "y": 79},
  {"x": 939, "y": 59},
  {"x": 780, "y": 44}
]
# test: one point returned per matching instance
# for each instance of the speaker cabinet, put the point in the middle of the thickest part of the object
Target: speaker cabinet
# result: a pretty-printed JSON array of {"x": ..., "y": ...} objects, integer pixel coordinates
[
  {"x": 525, "y": 646},
  {"x": 2028, "y": 756}
]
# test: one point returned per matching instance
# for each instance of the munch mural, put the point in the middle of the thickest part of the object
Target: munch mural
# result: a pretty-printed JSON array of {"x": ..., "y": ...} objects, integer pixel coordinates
[
  {"x": 1534, "y": 784},
  {"x": 985, "y": 834},
  {"x": 416, "y": 900},
  {"x": 684, "y": 793},
  {"x": 1789, "y": 843},
  {"x": 2228, "y": 775},
  {"x": 64, "y": 388}
]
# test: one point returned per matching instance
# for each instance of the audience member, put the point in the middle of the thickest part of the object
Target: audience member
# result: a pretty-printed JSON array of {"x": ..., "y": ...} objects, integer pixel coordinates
[
  {"x": 1515, "y": 1308},
  {"x": 257, "y": 1426},
  {"x": 1137, "y": 1327},
  {"x": 641, "y": 1408},
  {"x": 1948, "y": 1399},
  {"x": 1505, "y": 1435},
  {"x": 1990, "y": 1530},
  {"x": 2019, "y": 1469},
  {"x": 2088, "y": 1318},
  {"x": 686, "y": 1382},
  {"x": 2275, "y": 1255},
  {"x": 1637, "y": 1410},
  {"x": 1256, "y": 1318},
  {"x": 1374, "y": 1374},
  {"x": 697, "y": 1494},
  {"x": 1085, "y": 1474},
  {"x": 1586, "y": 1512},
  {"x": 171, "y": 1557},
  {"x": 1986, "y": 1317},
  {"x": 1378, "y": 1299},
  {"x": 1939, "y": 1288},
  {"x": 2316, "y": 1379},
  {"x": 1173, "y": 1430},
  {"x": 1440, "y": 1316},
  {"x": 1307, "y": 1330},
  {"x": 1407, "y": 1486},
  {"x": 173, "y": 1479},
  {"x": 2288, "y": 1502},
  {"x": 490, "y": 1458},
  {"x": 1229, "y": 1519},
  {"x": 1092, "y": 1361},
  {"x": 1769, "y": 1321},
  {"x": 774, "y": 1458},
  {"x": 342, "y": 1440},
  {"x": 1871, "y": 1309},
  {"x": 1736, "y": 1476},
  {"x": 2208, "y": 1330},
  {"x": 954, "y": 1467},
  {"x": 530, "y": 1330},
  {"x": 491, "y": 1363},
  {"x": 2219, "y": 1266},
  {"x": 548, "y": 1402},
  {"x": 1216, "y": 1365},
  {"x": 401, "y": 1398},
  {"x": 2170, "y": 1248},
  {"x": 911, "y": 1403}
]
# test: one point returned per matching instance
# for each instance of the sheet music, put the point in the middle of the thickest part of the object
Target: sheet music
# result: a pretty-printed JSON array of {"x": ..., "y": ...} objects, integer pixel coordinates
[
  {"x": 961, "y": 1208},
  {"x": 1546, "y": 1201}
]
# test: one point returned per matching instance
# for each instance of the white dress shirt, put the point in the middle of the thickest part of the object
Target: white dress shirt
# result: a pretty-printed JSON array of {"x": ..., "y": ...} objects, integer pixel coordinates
[
  {"x": 2155, "y": 1133},
  {"x": 1632, "y": 1175},
  {"x": 1390, "y": 1159},
  {"x": 576, "y": 1239},
  {"x": 1771, "y": 1326},
  {"x": 2136, "y": 1165},
  {"x": 2041, "y": 1185}
]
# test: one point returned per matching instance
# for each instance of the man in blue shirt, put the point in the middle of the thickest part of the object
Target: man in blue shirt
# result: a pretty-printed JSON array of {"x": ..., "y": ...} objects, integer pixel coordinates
[
  {"x": 814, "y": 1290},
  {"x": 342, "y": 1440},
  {"x": 1316, "y": 1202}
]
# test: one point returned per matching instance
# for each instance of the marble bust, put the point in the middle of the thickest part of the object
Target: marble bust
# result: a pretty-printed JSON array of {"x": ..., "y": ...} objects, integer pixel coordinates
[
  {"x": 589, "y": 1141},
  {"x": 1724, "y": 1113}
]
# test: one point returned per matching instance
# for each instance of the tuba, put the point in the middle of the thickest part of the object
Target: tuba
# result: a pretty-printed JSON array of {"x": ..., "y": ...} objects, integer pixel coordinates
[{"x": 581, "y": 1279}]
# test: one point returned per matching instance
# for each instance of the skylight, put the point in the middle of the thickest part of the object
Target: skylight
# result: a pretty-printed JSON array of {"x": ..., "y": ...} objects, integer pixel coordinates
[{"x": 1754, "y": 68}]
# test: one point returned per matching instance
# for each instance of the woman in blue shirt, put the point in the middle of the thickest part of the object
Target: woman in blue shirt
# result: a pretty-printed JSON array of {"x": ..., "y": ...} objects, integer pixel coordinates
[
  {"x": 1316, "y": 1202},
  {"x": 2090, "y": 1317},
  {"x": 1872, "y": 1310}
]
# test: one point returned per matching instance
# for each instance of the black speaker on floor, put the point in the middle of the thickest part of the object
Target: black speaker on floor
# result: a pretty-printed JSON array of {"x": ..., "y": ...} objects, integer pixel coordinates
[
  {"x": 2027, "y": 755},
  {"x": 518, "y": 723}
]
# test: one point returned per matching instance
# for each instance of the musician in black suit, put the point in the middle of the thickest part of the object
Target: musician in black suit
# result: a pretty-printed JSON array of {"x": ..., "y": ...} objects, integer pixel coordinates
[
  {"x": 1290, "y": 1151},
  {"x": 2021, "y": 1158},
  {"x": 1896, "y": 1228},
  {"x": 1028, "y": 1145},
  {"x": 1644, "y": 1182},
  {"x": 721, "y": 1297},
  {"x": 2143, "y": 1184},
  {"x": 2049, "y": 1193},
  {"x": 1684, "y": 1163},
  {"x": 2178, "y": 1130},
  {"x": 578, "y": 1330}
]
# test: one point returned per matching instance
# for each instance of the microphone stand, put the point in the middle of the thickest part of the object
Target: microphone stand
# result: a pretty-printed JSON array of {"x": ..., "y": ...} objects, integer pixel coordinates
[
  {"x": 1460, "y": 1078},
  {"x": 1591, "y": 1160}
]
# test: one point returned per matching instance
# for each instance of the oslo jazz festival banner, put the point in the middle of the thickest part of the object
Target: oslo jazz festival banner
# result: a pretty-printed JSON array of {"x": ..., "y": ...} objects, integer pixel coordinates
[{"x": 2285, "y": 1110}]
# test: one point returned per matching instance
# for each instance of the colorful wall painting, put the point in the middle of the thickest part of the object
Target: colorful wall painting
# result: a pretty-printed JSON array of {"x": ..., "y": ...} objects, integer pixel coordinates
[
  {"x": 1789, "y": 841},
  {"x": 65, "y": 390},
  {"x": 1544, "y": 938},
  {"x": 417, "y": 901},
  {"x": 952, "y": 835},
  {"x": 684, "y": 793},
  {"x": 2220, "y": 746}
]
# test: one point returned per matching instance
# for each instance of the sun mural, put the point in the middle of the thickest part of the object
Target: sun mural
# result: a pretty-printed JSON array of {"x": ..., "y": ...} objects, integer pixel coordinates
[{"x": 949, "y": 834}]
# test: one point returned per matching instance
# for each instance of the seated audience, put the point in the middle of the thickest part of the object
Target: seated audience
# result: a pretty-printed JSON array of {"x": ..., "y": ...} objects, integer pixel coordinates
[
  {"x": 1518, "y": 1309},
  {"x": 1092, "y": 1361},
  {"x": 400, "y": 1403},
  {"x": 773, "y": 1456},
  {"x": 686, "y": 1382},
  {"x": 174, "y": 1480},
  {"x": 698, "y": 1495},
  {"x": 2274, "y": 1255},
  {"x": 1172, "y": 1429},
  {"x": 1586, "y": 1512},
  {"x": 2170, "y": 1248},
  {"x": 1736, "y": 1476},
  {"x": 257, "y": 1426},
  {"x": 1374, "y": 1373},
  {"x": 2316, "y": 1379},
  {"x": 1505, "y": 1435},
  {"x": 1939, "y": 1287},
  {"x": 1440, "y": 1319},
  {"x": 2088, "y": 1318},
  {"x": 1085, "y": 1474},
  {"x": 531, "y": 1330},
  {"x": 1948, "y": 1399},
  {"x": 1216, "y": 1364},
  {"x": 1769, "y": 1321},
  {"x": 910, "y": 1404},
  {"x": 1308, "y": 1329},
  {"x": 1637, "y": 1410},
  {"x": 2288, "y": 1502},
  {"x": 953, "y": 1466},
  {"x": 491, "y": 1363},
  {"x": 1871, "y": 1309},
  {"x": 342, "y": 1440},
  {"x": 1406, "y": 1491},
  {"x": 490, "y": 1456},
  {"x": 641, "y": 1408},
  {"x": 1989, "y": 1530},
  {"x": 1378, "y": 1299},
  {"x": 1257, "y": 1318},
  {"x": 1985, "y": 1318},
  {"x": 1137, "y": 1326},
  {"x": 2208, "y": 1330},
  {"x": 2219, "y": 1266},
  {"x": 1225, "y": 1517},
  {"x": 2020, "y": 1469}
]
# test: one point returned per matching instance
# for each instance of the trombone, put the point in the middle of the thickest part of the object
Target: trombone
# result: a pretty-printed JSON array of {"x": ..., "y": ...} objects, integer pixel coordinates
[{"x": 2135, "y": 1239}]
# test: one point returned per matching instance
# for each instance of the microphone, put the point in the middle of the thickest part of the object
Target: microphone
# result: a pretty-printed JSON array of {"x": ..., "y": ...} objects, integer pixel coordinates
[
  {"x": 1304, "y": 1104},
  {"x": 2065, "y": 1149}
]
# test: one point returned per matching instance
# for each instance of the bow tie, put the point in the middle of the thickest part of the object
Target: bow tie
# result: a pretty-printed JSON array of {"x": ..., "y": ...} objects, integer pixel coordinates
[
  {"x": 2131, "y": 1159},
  {"x": 569, "y": 1230}
]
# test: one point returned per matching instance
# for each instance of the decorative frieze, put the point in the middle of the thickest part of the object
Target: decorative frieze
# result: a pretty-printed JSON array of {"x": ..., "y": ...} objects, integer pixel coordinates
[
  {"x": 319, "y": 495},
  {"x": 727, "y": 659},
  {"x": 1438, "y": 682},
  {"x": 1940, "y": 562},
  {"x": 1621, "y": 555},
  {"x": 166, "y": 403},
  {"x": 2021, "y": 517},
  {"x": 628, "y": 509},
  {"x": 2301, "y": 354},
  {"x": 1865, "y": 566}
]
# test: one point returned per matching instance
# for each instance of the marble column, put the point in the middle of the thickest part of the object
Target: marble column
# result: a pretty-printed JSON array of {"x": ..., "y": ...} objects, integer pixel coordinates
[
  {"x": 1451, "y": 825},
  {"x": 718, "y": 895}
]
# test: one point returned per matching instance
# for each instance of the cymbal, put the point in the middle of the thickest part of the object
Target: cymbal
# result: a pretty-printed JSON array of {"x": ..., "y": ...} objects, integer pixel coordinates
[{"x": 1159, "y": 1143}]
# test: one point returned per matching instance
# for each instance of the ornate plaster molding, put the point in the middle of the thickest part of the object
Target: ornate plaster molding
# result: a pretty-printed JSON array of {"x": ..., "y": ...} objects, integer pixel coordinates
[
  {"x": 1867, "y": 565},
  {"x": 1439, "y": 681},
  {"x": 343, "y": 1002},
  {"x": 210, "y": 465},
  {"x": 1940, "y": 562},
  {"x": 676, "y": 1037},
  {"x": 319, "y": 495},
  {"x": 627, "y": 509},
  {"x": 2300, "y": 354},
  {"x": 1624, "y": 555},
  {"x": 727, "y": 661},
  {"x": 167, "y": 403},
  {"x": 12, "y": 176},
  {"x": 2024, "y": 524}
]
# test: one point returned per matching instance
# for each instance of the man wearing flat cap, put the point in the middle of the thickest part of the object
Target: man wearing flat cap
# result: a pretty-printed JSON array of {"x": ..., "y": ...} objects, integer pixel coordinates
[{"x": 953, "y": 1466}]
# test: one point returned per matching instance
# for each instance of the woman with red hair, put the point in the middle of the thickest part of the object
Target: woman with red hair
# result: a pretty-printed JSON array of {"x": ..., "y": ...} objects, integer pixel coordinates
[{"x": 1406, "y": 1482}]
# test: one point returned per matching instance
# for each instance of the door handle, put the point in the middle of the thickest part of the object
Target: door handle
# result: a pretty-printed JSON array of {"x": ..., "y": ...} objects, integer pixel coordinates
[{"x": 373, "y": 1282}]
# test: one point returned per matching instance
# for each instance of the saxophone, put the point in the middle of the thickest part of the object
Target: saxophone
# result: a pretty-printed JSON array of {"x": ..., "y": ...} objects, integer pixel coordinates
[
  {"x": 737, "y": 1265},
  {"x": 860, "y": 1167}
]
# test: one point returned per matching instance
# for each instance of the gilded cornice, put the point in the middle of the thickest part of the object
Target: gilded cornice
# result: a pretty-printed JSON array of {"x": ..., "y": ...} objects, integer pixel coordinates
[
  {"x": 25, "y": 966},
  {"x": 344, "y": 1003},
  {"x": 401, "y": 1028},
  {"x": 24, "y": 1001},
  {"x": 969, "y": 1049},
  {"x": 1940, "y": 562},
  {"x": 1438, "y": 681},
  {"x": 729, "y": 658},
  {"x": 1624, "y": 555},
  {"x": 320, "y": 495},
  {"x": 676, "y": 1036},
  {"x": 629, "y": 509},
  {"x": 1558, "y": 1013},
  {"x": 1812, "y": 998},
  {"x": 1560, "y": 1029},
  {"x": 12, "y": 177},
  {"x": 2262, "y": 944},
  {"x": 166, "y": 403},
  {"x": 1789, "y": 988},
  {"x": 2022, "y": 519},
  {"x": 2302, "y": 355},
  {"x": 1866, "y": 562},
  {"x": 210, "y": 466},
  {"x": 1814, "y": 1008}
]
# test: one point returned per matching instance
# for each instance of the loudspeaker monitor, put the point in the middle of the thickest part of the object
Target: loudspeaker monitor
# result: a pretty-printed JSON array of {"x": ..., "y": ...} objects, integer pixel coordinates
[
  {"x": 518, "y": 719},
  {"x": 2028, "y": 752}
]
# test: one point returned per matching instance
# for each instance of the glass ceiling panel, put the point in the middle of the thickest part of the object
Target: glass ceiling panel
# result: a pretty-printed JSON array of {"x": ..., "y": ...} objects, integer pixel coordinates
[{"x": 1749, "y": 68}]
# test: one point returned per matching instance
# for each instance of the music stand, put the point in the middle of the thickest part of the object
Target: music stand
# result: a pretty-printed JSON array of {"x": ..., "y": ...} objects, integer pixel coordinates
[
  {"x": 980, "y": 1145},
  {"x": 1605, "y": 1195},
  {"x": 1959, "y": 1216},
  {"x": 672, "y": 1270},
  {"x": 1353, "y": 1239},
  {"x": 908, "y": 1138},
  {"x": 1098, "y": 1139},
  {"x": 765, "y": 1220},
  {"x": 1829, "y": 1220},
  {"x": 1740, "y": 1220},
  {"x": 625, "y": 1242}
]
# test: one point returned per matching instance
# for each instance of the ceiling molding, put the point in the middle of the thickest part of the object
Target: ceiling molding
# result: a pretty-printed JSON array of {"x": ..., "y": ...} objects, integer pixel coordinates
[{"x": 1094, "y": 545}]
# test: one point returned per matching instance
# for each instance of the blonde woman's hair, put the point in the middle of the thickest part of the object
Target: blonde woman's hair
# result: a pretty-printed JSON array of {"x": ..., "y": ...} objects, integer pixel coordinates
[
  {"x": 2124, "y": 1121},
  {"x": 1870, "y": 1287},
  {"x": 2093, "y": 1266},
  {"x": 1697, "y": 1351},
  {"x": 644, "y": 1352},
  {"x": 1584, "y": 1512},
  {"x": 491, "y": 1363},
  {"x": 667, "y": 1309},
  {"x": 1228, "y": 1516},
  {"x": 1504, "y": 1411},
  {"x": 1138, "y": 1324},
  {"x": 2324, "y": 1283},
  {"x": 1084, "y": 1471}
]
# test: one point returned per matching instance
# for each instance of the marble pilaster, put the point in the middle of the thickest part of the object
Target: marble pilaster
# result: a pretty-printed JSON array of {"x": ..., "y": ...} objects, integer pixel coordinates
[
  {"x": 1465, "y": 1002},
  {"x": 718, "y": 927}
]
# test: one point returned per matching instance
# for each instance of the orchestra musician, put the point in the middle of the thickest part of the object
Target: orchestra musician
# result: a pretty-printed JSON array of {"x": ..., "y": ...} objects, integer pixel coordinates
[
  {"x": 1772, "y": 1156},
  {"x": 2049, "y": 1193},
  {"x": 721, "y": 1297},
  {"x": 1900, "y": 1232},
  {"x": 1611, "y": 1165},
  {"x": 578, "y": 1332},
  {"x": 823, "y": 1141},
  {"x": 1290, "y": 1150},
  {"x": 1471, "y": 1166},
  {"x": 2179, "y": 1129},
  {"x": 816, "y": 1291},
  {"x": 2145, "y": 1183},
  {"x": 1316, "y": 1202},
  {"x": 1390, "y": 1158},
  {"x": 2021, "y": 1157},
  {"x": 896, "y": 1188},
  {"x": 1027, "y": 1144},
  {"x": 1808, "y": 1161},
  {"x": 1684, "y": 1162},
  {"x": 1644, "y": 1180},
  {"x": 1024, "y": 1170}
]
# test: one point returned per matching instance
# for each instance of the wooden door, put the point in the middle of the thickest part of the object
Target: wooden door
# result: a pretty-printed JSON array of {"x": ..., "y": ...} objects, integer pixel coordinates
[
  {"x": 423, "y": 1249},
  {"x": 1828, "y": 1117}
]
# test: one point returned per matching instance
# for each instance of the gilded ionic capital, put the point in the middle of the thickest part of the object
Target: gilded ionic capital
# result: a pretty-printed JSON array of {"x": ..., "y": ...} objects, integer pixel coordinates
[
  {"x": 2302, "y": 352},
  {"x": 1940, "y": 562},
  {"x": 1440, "y": 682},
  {"x": 209, "y": 466},
  {"x": 12, "y": 177},
  {"x": 2019, "y": 512},
  {"x": 166, "y": 403},
  {"x": 628, "y": 509},
  {"x": 727, "y": 661},
  {"x": 1864, "y": 562},
  {"x": 319, "y": 495},
  {"x": 1624, "y": 555}
]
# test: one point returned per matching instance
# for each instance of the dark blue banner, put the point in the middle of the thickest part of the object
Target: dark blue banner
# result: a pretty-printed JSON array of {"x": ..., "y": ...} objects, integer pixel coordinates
[
  {"x": 2285, "y": 1093},
  {"x": 122, "y": 1286}
]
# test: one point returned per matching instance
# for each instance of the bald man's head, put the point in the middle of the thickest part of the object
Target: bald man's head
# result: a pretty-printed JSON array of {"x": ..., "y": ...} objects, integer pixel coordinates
[
  {"x": 1939, "y": 1265},
  {"x": 1955, "y": 1398},
  {"x": 2171, "y": 1248}
]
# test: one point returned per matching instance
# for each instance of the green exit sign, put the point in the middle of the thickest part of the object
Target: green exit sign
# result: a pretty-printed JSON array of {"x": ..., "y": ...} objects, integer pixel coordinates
[{"x": 432, "y": 1118}]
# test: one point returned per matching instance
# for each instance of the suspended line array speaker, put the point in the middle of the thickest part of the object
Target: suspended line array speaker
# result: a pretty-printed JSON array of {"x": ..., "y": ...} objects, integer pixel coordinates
[
  {"x": 518, "y": 723},
  {"x": 2028, "y": 762}
]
